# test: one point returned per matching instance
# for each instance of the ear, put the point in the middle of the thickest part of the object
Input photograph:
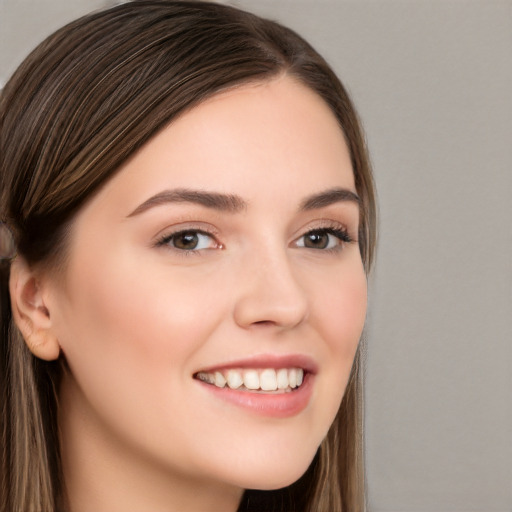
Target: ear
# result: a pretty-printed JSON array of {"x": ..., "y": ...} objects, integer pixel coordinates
[{"x": 30, "y": 312}]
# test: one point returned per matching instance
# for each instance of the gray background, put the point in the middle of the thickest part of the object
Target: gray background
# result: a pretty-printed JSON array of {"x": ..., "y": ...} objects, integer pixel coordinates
[{"x": 432, "y": 80}]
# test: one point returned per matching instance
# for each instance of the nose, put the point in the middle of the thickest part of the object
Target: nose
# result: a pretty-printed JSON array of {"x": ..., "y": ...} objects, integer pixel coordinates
[{"x": 269, "y": 293}]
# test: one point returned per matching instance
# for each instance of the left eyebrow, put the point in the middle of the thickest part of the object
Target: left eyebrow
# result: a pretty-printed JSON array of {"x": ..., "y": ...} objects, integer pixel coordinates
[{"x": 328, "y": 197}]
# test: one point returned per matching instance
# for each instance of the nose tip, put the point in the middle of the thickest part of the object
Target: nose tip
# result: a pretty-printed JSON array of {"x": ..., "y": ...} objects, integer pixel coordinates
[{"x": 272, "y": 296}]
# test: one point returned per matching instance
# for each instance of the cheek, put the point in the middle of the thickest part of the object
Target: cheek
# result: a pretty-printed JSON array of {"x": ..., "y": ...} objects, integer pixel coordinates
[
  {"x": 145, "y": 309},
  {"x": 130, "y": 335},
  {"x": 340, "y": 314},
  {"x": 342, "y": 311}
]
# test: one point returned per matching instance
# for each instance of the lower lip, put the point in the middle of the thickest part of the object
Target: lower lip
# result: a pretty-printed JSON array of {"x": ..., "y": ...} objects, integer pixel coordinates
[{"x": 279, "y": 405}]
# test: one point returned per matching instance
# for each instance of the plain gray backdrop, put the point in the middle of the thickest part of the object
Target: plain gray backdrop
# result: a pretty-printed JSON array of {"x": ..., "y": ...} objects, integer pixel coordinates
[{"x": 432, "y": 80}]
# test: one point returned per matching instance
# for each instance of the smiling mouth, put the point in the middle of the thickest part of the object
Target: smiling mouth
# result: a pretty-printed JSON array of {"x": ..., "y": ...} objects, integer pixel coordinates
[{"x": 268, "y": 380}]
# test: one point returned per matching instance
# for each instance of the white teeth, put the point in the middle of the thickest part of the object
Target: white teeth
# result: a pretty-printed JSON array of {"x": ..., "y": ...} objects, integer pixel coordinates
[
  {"x": 251, "y": 379},
  {"x": 268, "y": 380},
  {"x": 282, "y": 378},
  {"x": 292, "y": 378},
  {"x": 220, "y": 381},
  {"x": 234, "y": 379}
]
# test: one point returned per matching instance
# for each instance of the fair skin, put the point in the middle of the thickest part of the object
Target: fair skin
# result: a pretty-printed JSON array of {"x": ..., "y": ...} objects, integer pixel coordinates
[{"x": 266, "y": 275}]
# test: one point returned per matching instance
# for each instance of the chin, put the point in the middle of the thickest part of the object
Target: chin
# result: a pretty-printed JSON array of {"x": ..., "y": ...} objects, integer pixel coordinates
[{"x": 273, "y": 475}]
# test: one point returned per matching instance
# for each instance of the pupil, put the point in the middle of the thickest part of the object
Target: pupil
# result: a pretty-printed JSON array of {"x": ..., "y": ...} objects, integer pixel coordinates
[
  {"x": 186, "y": 241},
  {"x": 317, "y": 240}
]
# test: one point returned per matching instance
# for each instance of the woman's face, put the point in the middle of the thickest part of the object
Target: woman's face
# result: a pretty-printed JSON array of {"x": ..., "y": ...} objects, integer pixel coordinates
[{"x": 226, "y": 249}]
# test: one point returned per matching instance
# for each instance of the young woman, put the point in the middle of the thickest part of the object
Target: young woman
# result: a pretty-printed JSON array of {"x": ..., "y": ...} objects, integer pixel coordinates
[{"x": 192, "y": 207}]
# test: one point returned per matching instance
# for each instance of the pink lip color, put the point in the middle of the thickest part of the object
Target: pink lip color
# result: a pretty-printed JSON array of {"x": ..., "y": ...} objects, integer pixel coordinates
[{"x": 279, "y": 405}]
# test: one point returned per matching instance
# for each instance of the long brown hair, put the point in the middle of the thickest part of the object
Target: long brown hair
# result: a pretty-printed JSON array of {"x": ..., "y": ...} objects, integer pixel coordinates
[{"x": 78, "y": 107}]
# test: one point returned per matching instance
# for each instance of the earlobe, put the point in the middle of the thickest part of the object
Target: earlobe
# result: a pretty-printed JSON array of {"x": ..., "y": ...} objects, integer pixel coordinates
[{"x": 30, "y": 312}]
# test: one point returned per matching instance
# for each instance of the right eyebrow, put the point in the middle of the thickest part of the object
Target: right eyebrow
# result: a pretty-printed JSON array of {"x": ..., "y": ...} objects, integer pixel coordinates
[{"x": 214, "y": 200}]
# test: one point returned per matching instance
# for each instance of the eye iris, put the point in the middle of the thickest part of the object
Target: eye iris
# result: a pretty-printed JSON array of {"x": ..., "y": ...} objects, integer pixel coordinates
[
  {"x": 316, "y": 240},
  {"x": 186, "y": 240}
]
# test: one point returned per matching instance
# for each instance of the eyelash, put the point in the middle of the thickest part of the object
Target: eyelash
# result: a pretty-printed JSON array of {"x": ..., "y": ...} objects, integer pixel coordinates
[{"x": 336, "y": 231}]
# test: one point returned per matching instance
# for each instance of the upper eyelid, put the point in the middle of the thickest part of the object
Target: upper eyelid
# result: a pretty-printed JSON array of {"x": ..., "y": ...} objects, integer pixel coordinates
[
  {"x": 181, "y": 227},
  {"x": 319, "y": 224}
]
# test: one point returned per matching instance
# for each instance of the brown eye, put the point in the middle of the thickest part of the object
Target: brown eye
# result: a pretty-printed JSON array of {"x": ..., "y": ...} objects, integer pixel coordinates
[
  {"x": 316, "y": 240},
  {"x": 190, "y": 240},
  {"x": 325, "y": 238},
  {"x": 187, "y": 240}
]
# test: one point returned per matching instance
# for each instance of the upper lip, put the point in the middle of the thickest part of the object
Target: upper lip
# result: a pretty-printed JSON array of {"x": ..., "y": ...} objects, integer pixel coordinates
[{"x": 275, "y": 361}]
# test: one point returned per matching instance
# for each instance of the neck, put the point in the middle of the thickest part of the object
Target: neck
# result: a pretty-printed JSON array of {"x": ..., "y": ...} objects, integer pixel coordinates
[{"x": 103, "y": 474}]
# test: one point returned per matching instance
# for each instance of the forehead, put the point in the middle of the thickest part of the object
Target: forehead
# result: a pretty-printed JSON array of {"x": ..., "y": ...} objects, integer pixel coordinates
[{"x": 271, "y": 136}]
